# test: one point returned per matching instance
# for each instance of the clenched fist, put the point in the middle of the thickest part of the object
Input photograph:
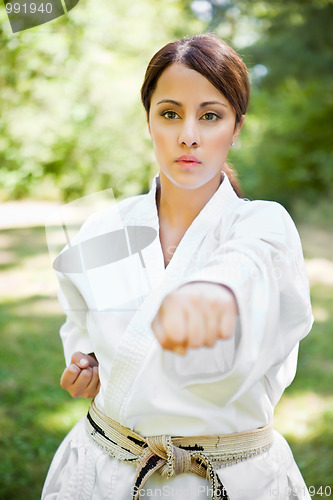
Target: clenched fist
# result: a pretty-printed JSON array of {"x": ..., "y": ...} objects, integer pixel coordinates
[
  {"x": 81, "y": 378},
  {"x": 195, "y": 315}
]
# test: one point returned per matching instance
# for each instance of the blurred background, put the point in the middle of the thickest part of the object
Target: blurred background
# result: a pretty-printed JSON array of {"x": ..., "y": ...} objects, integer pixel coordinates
[{"x": 71, "y": 123}]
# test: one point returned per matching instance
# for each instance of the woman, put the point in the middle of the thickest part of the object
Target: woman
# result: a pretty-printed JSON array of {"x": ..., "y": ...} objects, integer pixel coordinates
[{"x": 214, "y": 343}]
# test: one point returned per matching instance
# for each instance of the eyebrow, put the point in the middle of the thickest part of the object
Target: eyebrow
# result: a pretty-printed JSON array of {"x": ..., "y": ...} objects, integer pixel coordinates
[{"x": 202, "y": 105}]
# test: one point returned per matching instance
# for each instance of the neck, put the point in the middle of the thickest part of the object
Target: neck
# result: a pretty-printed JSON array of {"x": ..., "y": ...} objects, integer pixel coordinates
[{"x": 178, "y": 207}]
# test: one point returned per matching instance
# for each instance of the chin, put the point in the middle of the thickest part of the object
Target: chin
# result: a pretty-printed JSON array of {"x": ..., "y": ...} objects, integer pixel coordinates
[{"x": 189, "y": 180}]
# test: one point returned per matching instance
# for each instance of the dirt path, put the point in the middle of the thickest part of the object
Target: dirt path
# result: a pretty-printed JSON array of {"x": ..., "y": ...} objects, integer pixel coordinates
[
  {"x": 317, "y": 242},
  {"x": 27, "y": 213}
]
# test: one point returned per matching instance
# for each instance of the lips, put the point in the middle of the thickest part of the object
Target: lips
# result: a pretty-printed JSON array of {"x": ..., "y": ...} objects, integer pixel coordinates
[{"x": 188, "y": 160}]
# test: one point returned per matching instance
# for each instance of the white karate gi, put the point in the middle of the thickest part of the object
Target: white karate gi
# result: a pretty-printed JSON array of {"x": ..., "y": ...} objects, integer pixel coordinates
[{"x": 253, "y": 248}]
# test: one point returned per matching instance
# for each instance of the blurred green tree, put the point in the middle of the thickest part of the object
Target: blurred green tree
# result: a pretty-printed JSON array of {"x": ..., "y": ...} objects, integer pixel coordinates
[
  {"x": 71, "y": 121},
  {"x": 287, "y": 151},
  {"x": 70, "y": 115}
]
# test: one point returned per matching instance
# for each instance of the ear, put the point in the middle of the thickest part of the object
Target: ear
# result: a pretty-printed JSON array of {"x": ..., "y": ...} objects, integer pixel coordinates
[
  {"x": 238, "y": 128},
  {"x": 148, "y": 124}
]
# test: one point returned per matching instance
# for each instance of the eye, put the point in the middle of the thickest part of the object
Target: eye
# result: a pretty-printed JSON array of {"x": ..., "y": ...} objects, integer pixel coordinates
[
  {"x": 170, "y": 115},
  {"x": 211, "y": 117}
]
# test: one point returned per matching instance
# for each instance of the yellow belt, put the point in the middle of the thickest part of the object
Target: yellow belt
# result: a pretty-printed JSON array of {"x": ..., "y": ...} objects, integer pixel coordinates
[{"x": 170, "y": 456}]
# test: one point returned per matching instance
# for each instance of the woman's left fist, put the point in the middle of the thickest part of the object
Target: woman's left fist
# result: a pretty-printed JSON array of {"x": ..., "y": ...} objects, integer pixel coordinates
[{"x": 195, "y": 315}]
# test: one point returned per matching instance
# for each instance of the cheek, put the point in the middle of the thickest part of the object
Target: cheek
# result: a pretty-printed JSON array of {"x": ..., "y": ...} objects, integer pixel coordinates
[
  {"x": 220, "y": 142},
  {"x": 161, "y": 139}
]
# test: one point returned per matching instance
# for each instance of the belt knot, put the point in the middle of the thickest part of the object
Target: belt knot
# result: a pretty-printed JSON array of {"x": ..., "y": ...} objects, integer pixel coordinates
[{"x": 176, "y": 460}]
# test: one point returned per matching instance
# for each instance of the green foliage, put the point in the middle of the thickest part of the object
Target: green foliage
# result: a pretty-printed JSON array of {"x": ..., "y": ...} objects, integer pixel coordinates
[
  {"x": 288, "y": 151},
  {"x": 71, "y": 120},
  {"x": 70, "y": 113}
]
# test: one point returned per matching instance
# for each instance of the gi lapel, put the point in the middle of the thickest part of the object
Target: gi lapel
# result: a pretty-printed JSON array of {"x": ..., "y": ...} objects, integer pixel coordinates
[{"x": 138, "y": 338}]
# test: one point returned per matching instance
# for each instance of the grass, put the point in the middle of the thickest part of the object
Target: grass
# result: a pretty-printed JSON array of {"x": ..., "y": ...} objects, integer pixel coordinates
[
  {"x": 35, "y": 413},
  {"x": 305, "y": 412}
]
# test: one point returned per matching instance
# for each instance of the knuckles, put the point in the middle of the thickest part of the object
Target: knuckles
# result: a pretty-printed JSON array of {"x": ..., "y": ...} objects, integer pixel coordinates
[
  {"x": 170, "y": 303},
  {"x": 178, "y": 306},
  {"x": 77, "y": 356},
  {"x": 80, "y": 382}
]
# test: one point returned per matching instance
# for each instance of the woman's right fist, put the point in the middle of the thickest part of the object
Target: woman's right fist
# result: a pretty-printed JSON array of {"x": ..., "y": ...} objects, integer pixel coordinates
[{"x": 81, "y": 377}]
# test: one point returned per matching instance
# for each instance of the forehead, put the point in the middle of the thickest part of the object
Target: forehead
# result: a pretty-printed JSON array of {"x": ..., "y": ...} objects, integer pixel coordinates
[{"x": 180, "y": 83}]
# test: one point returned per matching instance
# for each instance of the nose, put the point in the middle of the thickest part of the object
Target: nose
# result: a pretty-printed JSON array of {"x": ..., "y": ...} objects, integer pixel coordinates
[{"x": 189, "y": 134}]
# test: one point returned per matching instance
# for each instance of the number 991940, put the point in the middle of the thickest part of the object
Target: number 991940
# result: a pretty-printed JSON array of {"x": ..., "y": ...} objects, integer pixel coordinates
[{"x": 28, "y": 8}]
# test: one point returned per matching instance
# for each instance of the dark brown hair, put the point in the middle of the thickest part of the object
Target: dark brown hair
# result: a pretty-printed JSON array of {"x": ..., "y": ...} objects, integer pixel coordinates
[{"x": 216, "y": 61}]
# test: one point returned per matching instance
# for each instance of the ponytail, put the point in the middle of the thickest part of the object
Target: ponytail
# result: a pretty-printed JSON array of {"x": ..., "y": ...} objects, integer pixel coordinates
[{"x": 232, "y": 176}]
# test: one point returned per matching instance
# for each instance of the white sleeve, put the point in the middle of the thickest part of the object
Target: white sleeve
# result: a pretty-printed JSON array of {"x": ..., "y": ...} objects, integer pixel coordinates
[
  {"x": 262, "y": 263},
  {"x": 74, "y": 333}
]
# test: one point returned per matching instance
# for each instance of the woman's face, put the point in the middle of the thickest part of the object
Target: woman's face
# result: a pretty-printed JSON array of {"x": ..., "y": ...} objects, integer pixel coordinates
[{"x": 192, "y": 126}]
